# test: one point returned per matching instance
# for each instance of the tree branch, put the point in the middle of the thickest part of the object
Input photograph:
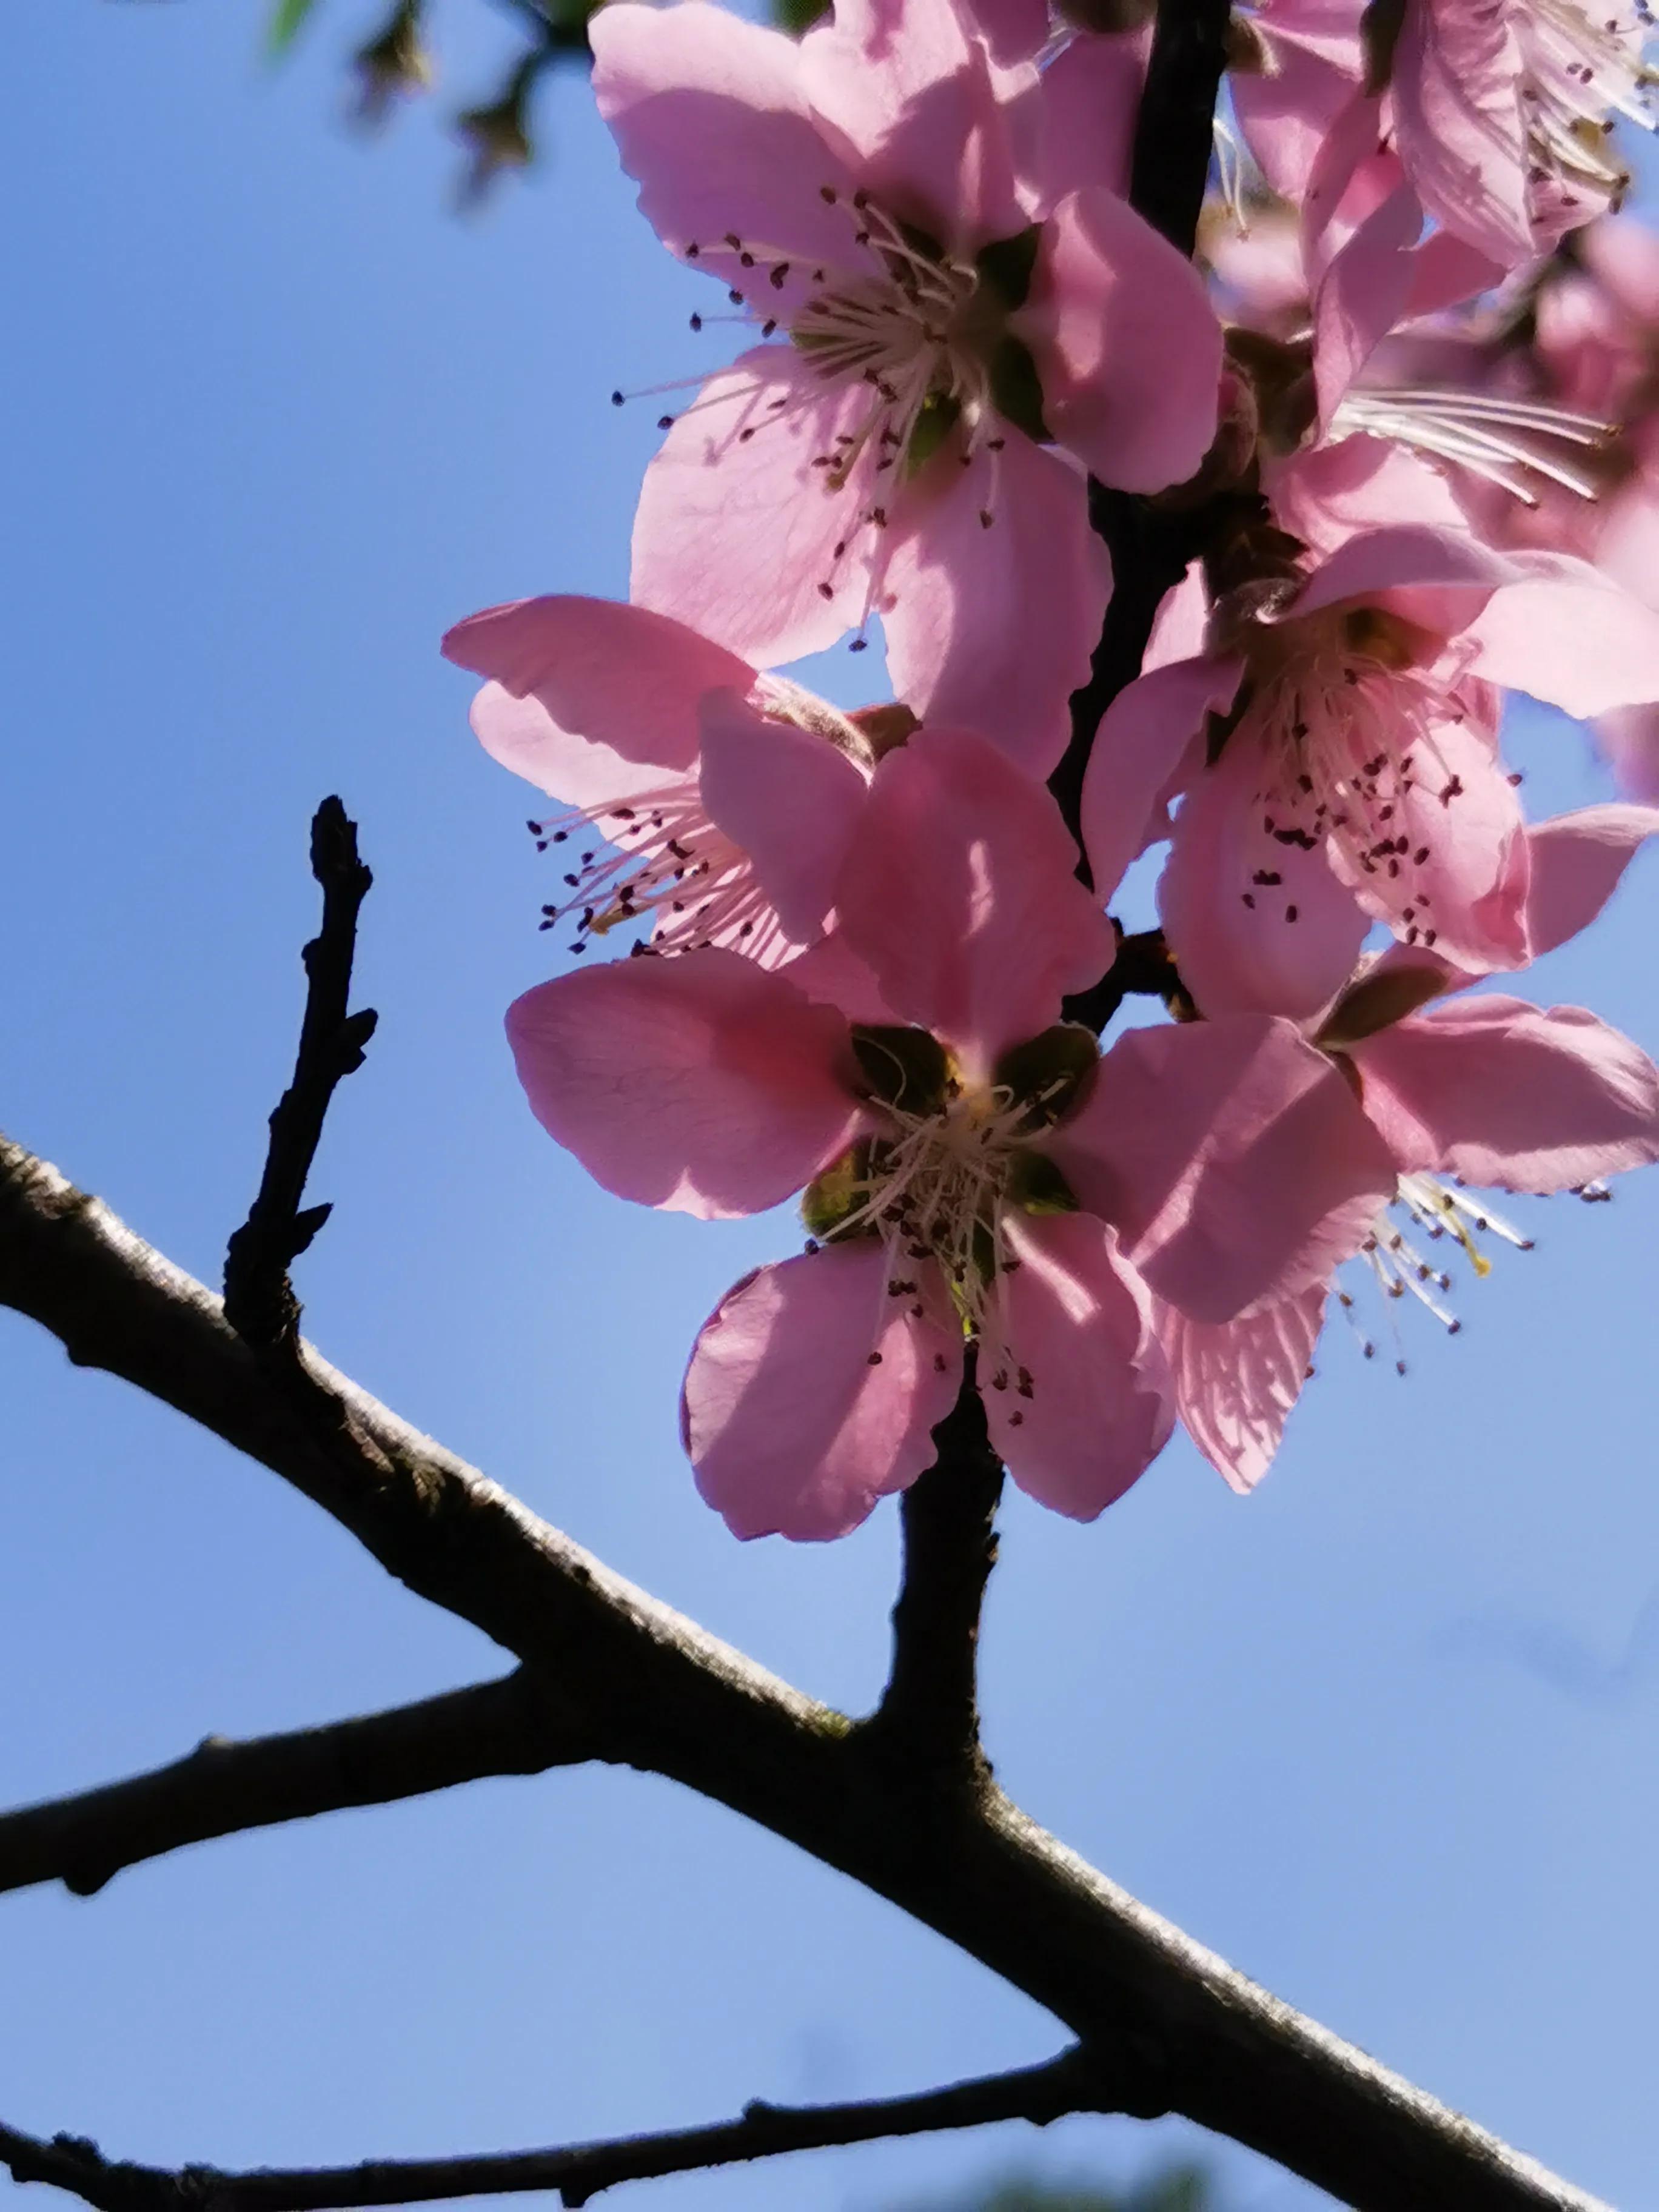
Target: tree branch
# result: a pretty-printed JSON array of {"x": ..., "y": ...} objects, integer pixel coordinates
[
  {"x": 928, "y": 1719},
  {"x": 1151, "y": 541},
  {"x": 222, "y": 1787},
  {"x": 1070, "y": 2083},
  {"x": 1180, "y": 2030},
  {"x": 259, "y": 1301}
]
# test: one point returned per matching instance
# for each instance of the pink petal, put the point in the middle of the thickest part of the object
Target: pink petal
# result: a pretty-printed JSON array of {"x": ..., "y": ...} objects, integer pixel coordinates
[
  {"x": 1629, "y": 740},
  {"x": 1181, "y": 623},
  {"x": 1286, "y": 111},
  {"x": 1459, "y": 882},
  {"x": 1143, "y": 754},
  {"x": 788, "y": 799},
  {"x": 1576, "y": 863},
  {"x": 1236, "y": 1382},
  {"x": 1623, "y": 254},
  {"x": 710, "y": 116},
  {"x": 1127, "y": 345},
  {"x": 579, "y": 681},
  {"x": 1458, "y": 123},
  {"x": 832, "y": 974},
  {"x": 918, "y": 98},
  {"x": 811, "y": 1393},
  {"x": 1449, "y": 572},
  {"x": 1232, "y": 1158},
  {"x": 1497, "y": 1092},
  {"x": 992, "y": 626},
  {"x": 700, "y": 1083},
  {"x": 1568, "y": 635},
  {"x": 1329, "y": 494},
  {"x": 960, "y": 894},
  {"x": 1074, "y": 1380},
  {"x": 1447, "y": 271},
  {"x": 1013, "y": 29},
  {"x": 736, "y": 531},
  {"x": 1255, "y": 926},
  {"x": 1088, "y": 98},
  {"x": 1362, "y": 294}
]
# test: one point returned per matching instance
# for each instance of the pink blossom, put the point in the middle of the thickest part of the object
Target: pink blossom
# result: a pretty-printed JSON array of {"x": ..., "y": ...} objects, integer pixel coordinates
[
  {"x": 1500, "y": 113},
  {"x": 1482, "y": 1090},
  {"x": 873, "y": 194},
  {"x": 716, "y": 802},
  {"x": 1309, "y": 63},
  {"x": 1357, "y": 776},
  {"x": 974, "y": 1171}
]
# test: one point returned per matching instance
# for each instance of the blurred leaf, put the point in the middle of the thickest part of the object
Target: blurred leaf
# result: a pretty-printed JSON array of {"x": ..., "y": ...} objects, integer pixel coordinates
[
  {"x": 797, "y": 15},
  {"x": 285, "y": 23},
  {"x": 1181, "y": 2189}
]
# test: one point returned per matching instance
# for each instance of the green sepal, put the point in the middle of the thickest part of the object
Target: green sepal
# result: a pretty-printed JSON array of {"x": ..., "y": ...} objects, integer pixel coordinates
[
  {"x": 1378, "y": 1000},
  {"x": 1016, "y": 390},
  {"x": 1035, "y": 1185},
  {"x": 1049, "y": 1074},
  {"x": 938, "y": 418},
  {"x": 1006, "y": 265},
  {"x": 832, "y": 1198},
  {"x": 904, "y": 1067}
]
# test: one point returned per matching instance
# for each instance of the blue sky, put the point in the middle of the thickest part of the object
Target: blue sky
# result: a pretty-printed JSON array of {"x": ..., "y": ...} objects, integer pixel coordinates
[{"x": 1385, "y": 1735}]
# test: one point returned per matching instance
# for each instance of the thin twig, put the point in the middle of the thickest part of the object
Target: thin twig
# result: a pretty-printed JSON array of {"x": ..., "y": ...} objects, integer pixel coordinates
[
  {"x": 929, "y": 1717},
  {"x": 580, "y": 2172},
  {"x": 513, "y": 1726},
  {"x": 259, "y": 1301}
]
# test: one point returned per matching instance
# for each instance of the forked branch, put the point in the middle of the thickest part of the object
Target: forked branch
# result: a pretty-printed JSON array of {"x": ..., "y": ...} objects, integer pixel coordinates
[
  {"x": 580, "y": 2172},
  {"x": 1178, "y": 2029}
]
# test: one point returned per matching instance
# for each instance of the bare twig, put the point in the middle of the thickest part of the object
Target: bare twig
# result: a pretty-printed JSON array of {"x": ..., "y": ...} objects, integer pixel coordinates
[
  {"x": 507, "y": 1727},
  {"x": 929, "y": 1717},
  {"x": 1180, "y": 2029},
  {"x": 259, "y": 1302},
  {"x": 1070, "y": 2083}
]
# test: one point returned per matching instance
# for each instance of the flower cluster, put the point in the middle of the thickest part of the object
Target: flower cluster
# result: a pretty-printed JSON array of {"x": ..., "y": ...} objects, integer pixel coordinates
[{"x": 1403, "y": 408}]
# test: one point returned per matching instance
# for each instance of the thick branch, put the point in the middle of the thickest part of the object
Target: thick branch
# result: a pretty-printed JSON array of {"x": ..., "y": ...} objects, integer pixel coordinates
[
  {"x": 259, "y": 1298},
  {"x": 1175, "y": 130},
  {"x": 929, "y": 1718},
  {"x": 1180, "y": 2029},
  {"x": 222, "y": 1787},
  {"x": 578, "y": 2173}
]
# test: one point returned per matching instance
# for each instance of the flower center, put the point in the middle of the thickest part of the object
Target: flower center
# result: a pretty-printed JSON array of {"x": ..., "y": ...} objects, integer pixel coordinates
[
  {"x": 912, "y": 324},
  {"x": 948, "y": 1157},
  {"x": 923, "y": 331},
  {"x": 1348, "y": 726}
]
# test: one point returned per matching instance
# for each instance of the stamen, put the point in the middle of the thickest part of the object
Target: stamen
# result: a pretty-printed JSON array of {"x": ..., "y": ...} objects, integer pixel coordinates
[{"x": 1498, "y": 438}]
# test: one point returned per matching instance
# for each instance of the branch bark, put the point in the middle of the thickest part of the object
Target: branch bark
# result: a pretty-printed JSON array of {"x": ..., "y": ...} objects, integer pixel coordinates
[
  {"x": 580, "y": 2172},
  {"x": 1150, "y": 540},
  {"x": 222, "y": 1787},
  {"x": 927, "y": 1723},
  {"x": 1178, "y": 2029}
]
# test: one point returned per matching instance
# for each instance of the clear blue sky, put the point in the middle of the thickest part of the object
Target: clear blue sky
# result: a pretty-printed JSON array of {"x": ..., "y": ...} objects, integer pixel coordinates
[{"x": 272, "y": 419}]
